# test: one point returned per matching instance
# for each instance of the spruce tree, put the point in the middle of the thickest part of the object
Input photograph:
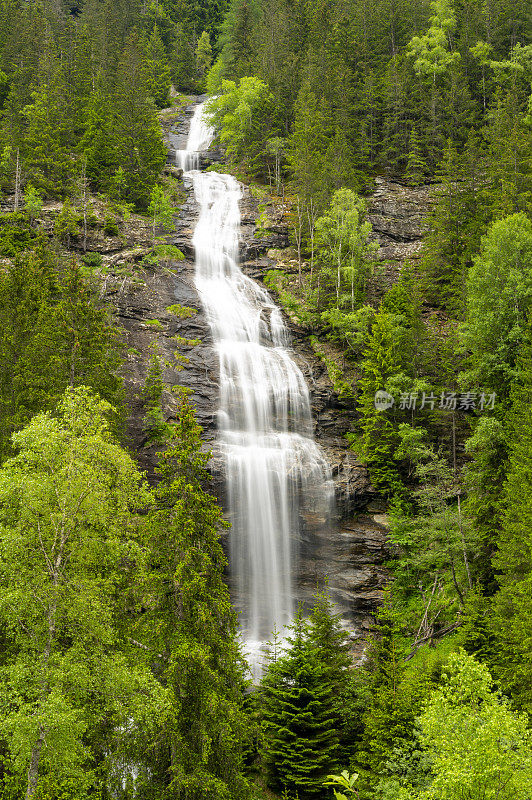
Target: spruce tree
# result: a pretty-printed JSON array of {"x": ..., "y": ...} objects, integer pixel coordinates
[
  {"x": 513, "y": 559},
  {"x": 299, "y": 715},
  {"x": 416, "y": 167},
  {"x": 52, "y": 335},
  {"x": 157, "y": 71},
  {"x": 190, "y": 629},
  {"x": 379, "y": 435},
  {"x": 391, "y": 700},
  {"x": 331, "y": 641},
  {"x": 139, "y": 144},
  {"x": 46, "y": 152},
  {"x": 203, "y": 54},
  {"x": 183, "y": 59}
]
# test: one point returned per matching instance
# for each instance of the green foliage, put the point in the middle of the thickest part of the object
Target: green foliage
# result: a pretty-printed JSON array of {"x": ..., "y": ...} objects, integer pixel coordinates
[
  {"x": 139, "y": 147},
  {"x": 66, "y": 225},
  {"x": 484, "y": 482},
  {"x": 192, "y": 623},
  {"x": 245, "y": 117},
  {"x": 302, "y": 703},
  {"x": 478, "y": 747},
  {"x": 380, "y": 440},
  {"x": 92, "y": 260},
  {"x": 416, "y": 167},
  {"x": 499, "y": 288},
  {"x": 66, "y": 525},
  {"x": 52, "y": 335},
  {"x": 156, "y": 430},
  {"x": 161, "y": 211},
  {"x": 32, "y": 203},
  {"x": 343, "y": 247},
  {"x": 343, "y": 781},
  {"x": 512, "y": 558},
  {"x": 431, "y": 51},
  {"x": 437, "y": 547},
  {"x": 388, "y": 697},
  {"x": 15, "y": 235},
  {"x": 203, "y": 54},
  {"x": 300, "y": 743},
  {"x": 457, "y": 222},
  {"x": 157, "y": 70}
]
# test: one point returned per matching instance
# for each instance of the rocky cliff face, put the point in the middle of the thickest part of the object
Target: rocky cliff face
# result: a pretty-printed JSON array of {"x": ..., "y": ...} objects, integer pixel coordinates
[{"x": 353, "y": 552}]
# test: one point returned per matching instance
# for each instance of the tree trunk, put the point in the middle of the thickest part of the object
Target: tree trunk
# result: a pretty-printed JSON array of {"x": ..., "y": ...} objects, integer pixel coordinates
[
  {"x": 17, "y": 181},
  {"x": 84, "y": 201},
  {"x": 33, "y": 769}
]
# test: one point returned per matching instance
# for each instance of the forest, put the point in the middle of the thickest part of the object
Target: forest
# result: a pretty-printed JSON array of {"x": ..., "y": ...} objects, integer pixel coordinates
[{"x": 121, "y": 669}]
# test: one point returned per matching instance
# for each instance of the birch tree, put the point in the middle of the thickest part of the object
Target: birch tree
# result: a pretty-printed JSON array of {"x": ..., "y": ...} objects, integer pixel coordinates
[{"x": 66, "y": 526}]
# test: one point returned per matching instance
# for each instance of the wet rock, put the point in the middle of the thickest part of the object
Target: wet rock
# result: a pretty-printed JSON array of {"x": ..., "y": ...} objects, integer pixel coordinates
[{"x": 351, "y": 553}]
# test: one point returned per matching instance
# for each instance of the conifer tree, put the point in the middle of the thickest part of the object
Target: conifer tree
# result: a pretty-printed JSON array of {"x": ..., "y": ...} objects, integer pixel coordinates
[
  {"x": 51, "y": 335},
  {"x": 46, "y": 149},
  {"x": 183, "y": 61},
  {"x": 99, "y": 140},
  {"x": 308, "y": 147},
  {"x": 190, "y": 628},
  {"x": 380, "y": 439},
  {"x": 139, "y": 145},
  {"x": 66, "y": 224},
  {"x": 299, "y": 715},
  {"x": 416, "y": 167},
  {"x": 157, "y": 71},
  {"x": 513, "y": 558},
  {"x": 237, "y": 38},
  {"x": 331, "y": 641},
  {"x": 203, "y": 54}
]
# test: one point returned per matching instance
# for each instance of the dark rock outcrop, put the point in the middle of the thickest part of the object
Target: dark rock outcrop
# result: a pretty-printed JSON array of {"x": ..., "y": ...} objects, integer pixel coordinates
[
  {"x": 398, "y": 215},
  {"x": 352, "y": 553}
]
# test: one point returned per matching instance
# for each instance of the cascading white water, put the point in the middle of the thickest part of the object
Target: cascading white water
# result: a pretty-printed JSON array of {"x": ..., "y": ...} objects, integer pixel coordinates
[
  {"x": 200, "y": 137},
  {"x": 275, "y": 472}
]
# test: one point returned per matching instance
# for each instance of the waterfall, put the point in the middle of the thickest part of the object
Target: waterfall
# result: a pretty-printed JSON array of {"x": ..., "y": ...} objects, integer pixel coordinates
[{"x": 276, "y": 475}]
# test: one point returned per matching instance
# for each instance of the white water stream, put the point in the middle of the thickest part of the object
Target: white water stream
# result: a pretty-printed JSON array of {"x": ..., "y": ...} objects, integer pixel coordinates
[{"x": 276, "y": 475}]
